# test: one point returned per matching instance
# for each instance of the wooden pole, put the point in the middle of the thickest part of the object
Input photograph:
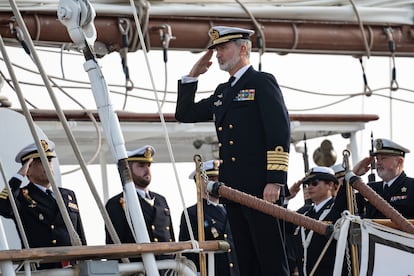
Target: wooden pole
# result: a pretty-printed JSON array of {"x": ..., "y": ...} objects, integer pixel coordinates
[
  {"x": 266, "y": 207},
  {"x": 351, "y": 208},
  {"x": 108, "y": 251},
  {"x": 200, "y": 214}
]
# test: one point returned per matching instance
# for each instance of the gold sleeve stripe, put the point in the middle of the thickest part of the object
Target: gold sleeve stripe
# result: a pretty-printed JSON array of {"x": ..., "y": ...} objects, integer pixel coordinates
[
  {"x": 277, "y": 160},
  {"x": 4, "y": 194}
]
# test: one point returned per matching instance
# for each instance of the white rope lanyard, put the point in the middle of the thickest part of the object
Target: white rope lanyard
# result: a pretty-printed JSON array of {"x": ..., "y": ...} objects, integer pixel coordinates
[{"x": 306, "y": 239}]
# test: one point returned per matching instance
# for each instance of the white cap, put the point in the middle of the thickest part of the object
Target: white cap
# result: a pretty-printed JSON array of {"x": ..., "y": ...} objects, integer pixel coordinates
[
  {"x": 339, "y": 170},
  {"x": 142, "y": 154},
  {"x": 211, "y": 168},
  {"x": 385, "y": 146},
  {"x": 30, "y": 151},
  {"x": 321, "y": 173},
  {"x": 223, "y": 34}
]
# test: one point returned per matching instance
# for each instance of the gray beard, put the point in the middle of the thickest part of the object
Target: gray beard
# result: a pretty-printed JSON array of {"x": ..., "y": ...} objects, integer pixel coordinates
[{"x": 230, "y": 64}]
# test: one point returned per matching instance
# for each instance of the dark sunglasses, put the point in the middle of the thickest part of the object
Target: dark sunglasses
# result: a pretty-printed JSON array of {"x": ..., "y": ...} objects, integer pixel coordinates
[{"x": 314, "y": 182}]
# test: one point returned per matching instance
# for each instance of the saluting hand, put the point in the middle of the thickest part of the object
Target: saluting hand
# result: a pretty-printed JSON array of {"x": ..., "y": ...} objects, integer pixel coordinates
[
  {"x": 363, "y": 166},
  {"x": 202, "y": 65},
  {"x": 24, "y": 169},
  {"x": 294, "y": 189},
  {"x": 271, "y": 192}
]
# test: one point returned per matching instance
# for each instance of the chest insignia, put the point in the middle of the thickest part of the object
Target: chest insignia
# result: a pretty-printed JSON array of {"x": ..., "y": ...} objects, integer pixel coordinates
[
  {"x": 404, "y": 189},
  {"x": 397, "y": 198},
  {"x": 33, "y": 203},
  {"x": 41, "y": 217},
  {"x": 218, "y": 103},
  {"x": 245, "y": 95},
  {"x": 73, "y": 206},
  {"x": 214, "y": 232}
]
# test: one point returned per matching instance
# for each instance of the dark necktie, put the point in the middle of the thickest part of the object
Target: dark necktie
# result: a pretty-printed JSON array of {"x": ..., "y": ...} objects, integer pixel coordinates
[
  {"x": 231, "y": 79},
  {"x": 311, "y": 213},
  {"x": 50, "y": 194},
  {"x": 149, "y": 199},
  {"x": 386, "y": 188}
]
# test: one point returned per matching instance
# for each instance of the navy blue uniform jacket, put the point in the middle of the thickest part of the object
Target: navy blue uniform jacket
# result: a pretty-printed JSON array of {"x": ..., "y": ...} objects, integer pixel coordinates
[
  {"x": 41, "y": 218},
  {"x": 400, "y": 195},
  {"x": 252, "y": 124},
  {"x": 216, "y": 227},
  {"x": 42, "y": 221},
  {"x": 157, "y": 218}
]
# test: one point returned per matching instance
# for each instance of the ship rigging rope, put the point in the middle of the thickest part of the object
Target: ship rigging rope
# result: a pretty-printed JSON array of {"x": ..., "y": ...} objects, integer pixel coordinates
[
  {"x": 82, "y": 85},
  {"x": 261, "y": 41},
  {"x": 72, "y": 233},
  {"x": 361, "y": 26},
  {"x": 163, "y": 124},
  {"x": 75, "y": 240}
]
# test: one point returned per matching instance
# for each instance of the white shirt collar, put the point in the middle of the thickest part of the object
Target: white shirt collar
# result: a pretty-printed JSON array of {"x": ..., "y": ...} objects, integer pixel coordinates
[
  {"x": 43, "y": 188},
  {"x": 389, "y": 183},
  {"x": 321, "y": 204},
  {"x": 142, "y": 193},
  {"x": 240, "y": 73}
]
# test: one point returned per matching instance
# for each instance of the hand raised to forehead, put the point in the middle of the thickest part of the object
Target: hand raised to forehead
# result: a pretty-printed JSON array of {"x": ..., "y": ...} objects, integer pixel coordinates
[
  {"x": 23, "y": 170},
  {"x": 202, "y": 65}
]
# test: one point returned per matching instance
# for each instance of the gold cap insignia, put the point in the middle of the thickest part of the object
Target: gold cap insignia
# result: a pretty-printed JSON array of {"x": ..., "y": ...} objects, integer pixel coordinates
[
  {"x": 404, "y": 189},
  {"x": 148, "y": 152},
  {"x": 379, "y": 144},
  {"x": 44, "y": 144},
  {"x": 214, "y": 34}
]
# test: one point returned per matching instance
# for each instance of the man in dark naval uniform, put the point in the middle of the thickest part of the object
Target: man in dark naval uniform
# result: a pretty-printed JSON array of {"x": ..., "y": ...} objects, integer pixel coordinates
[
  {"x": 253, "y": 130},
  {"x": 396, "y": 187},
  {"x": 216, "y": 225},
  {"x": 42, "y": 221},
  {"x": 154, "y": 206}
]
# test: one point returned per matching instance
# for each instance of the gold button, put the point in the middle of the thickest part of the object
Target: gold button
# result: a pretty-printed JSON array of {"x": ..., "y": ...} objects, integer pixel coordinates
[
  {"x": 225, "y": 236},
  {"x": 220, "y": 144},
  {"x": 231, "y": 265},
  {"x": 153, "y": 227},
  {"x": 54, "y": 241},
  {"x": 229, "y": 250},
  {"x": 233, "y": 159},
  {"x": 170, "y": 240},
  {"x": 230, "y": 126},
  {"x": 52, "y": 226},
  {"x": 221, "y": 161},
  {"x": 155, "y": 240},
  {"x": 167, "y": 228},
  {"x": 231, "y": 142},
  {"x": 220, "y": 128}
]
